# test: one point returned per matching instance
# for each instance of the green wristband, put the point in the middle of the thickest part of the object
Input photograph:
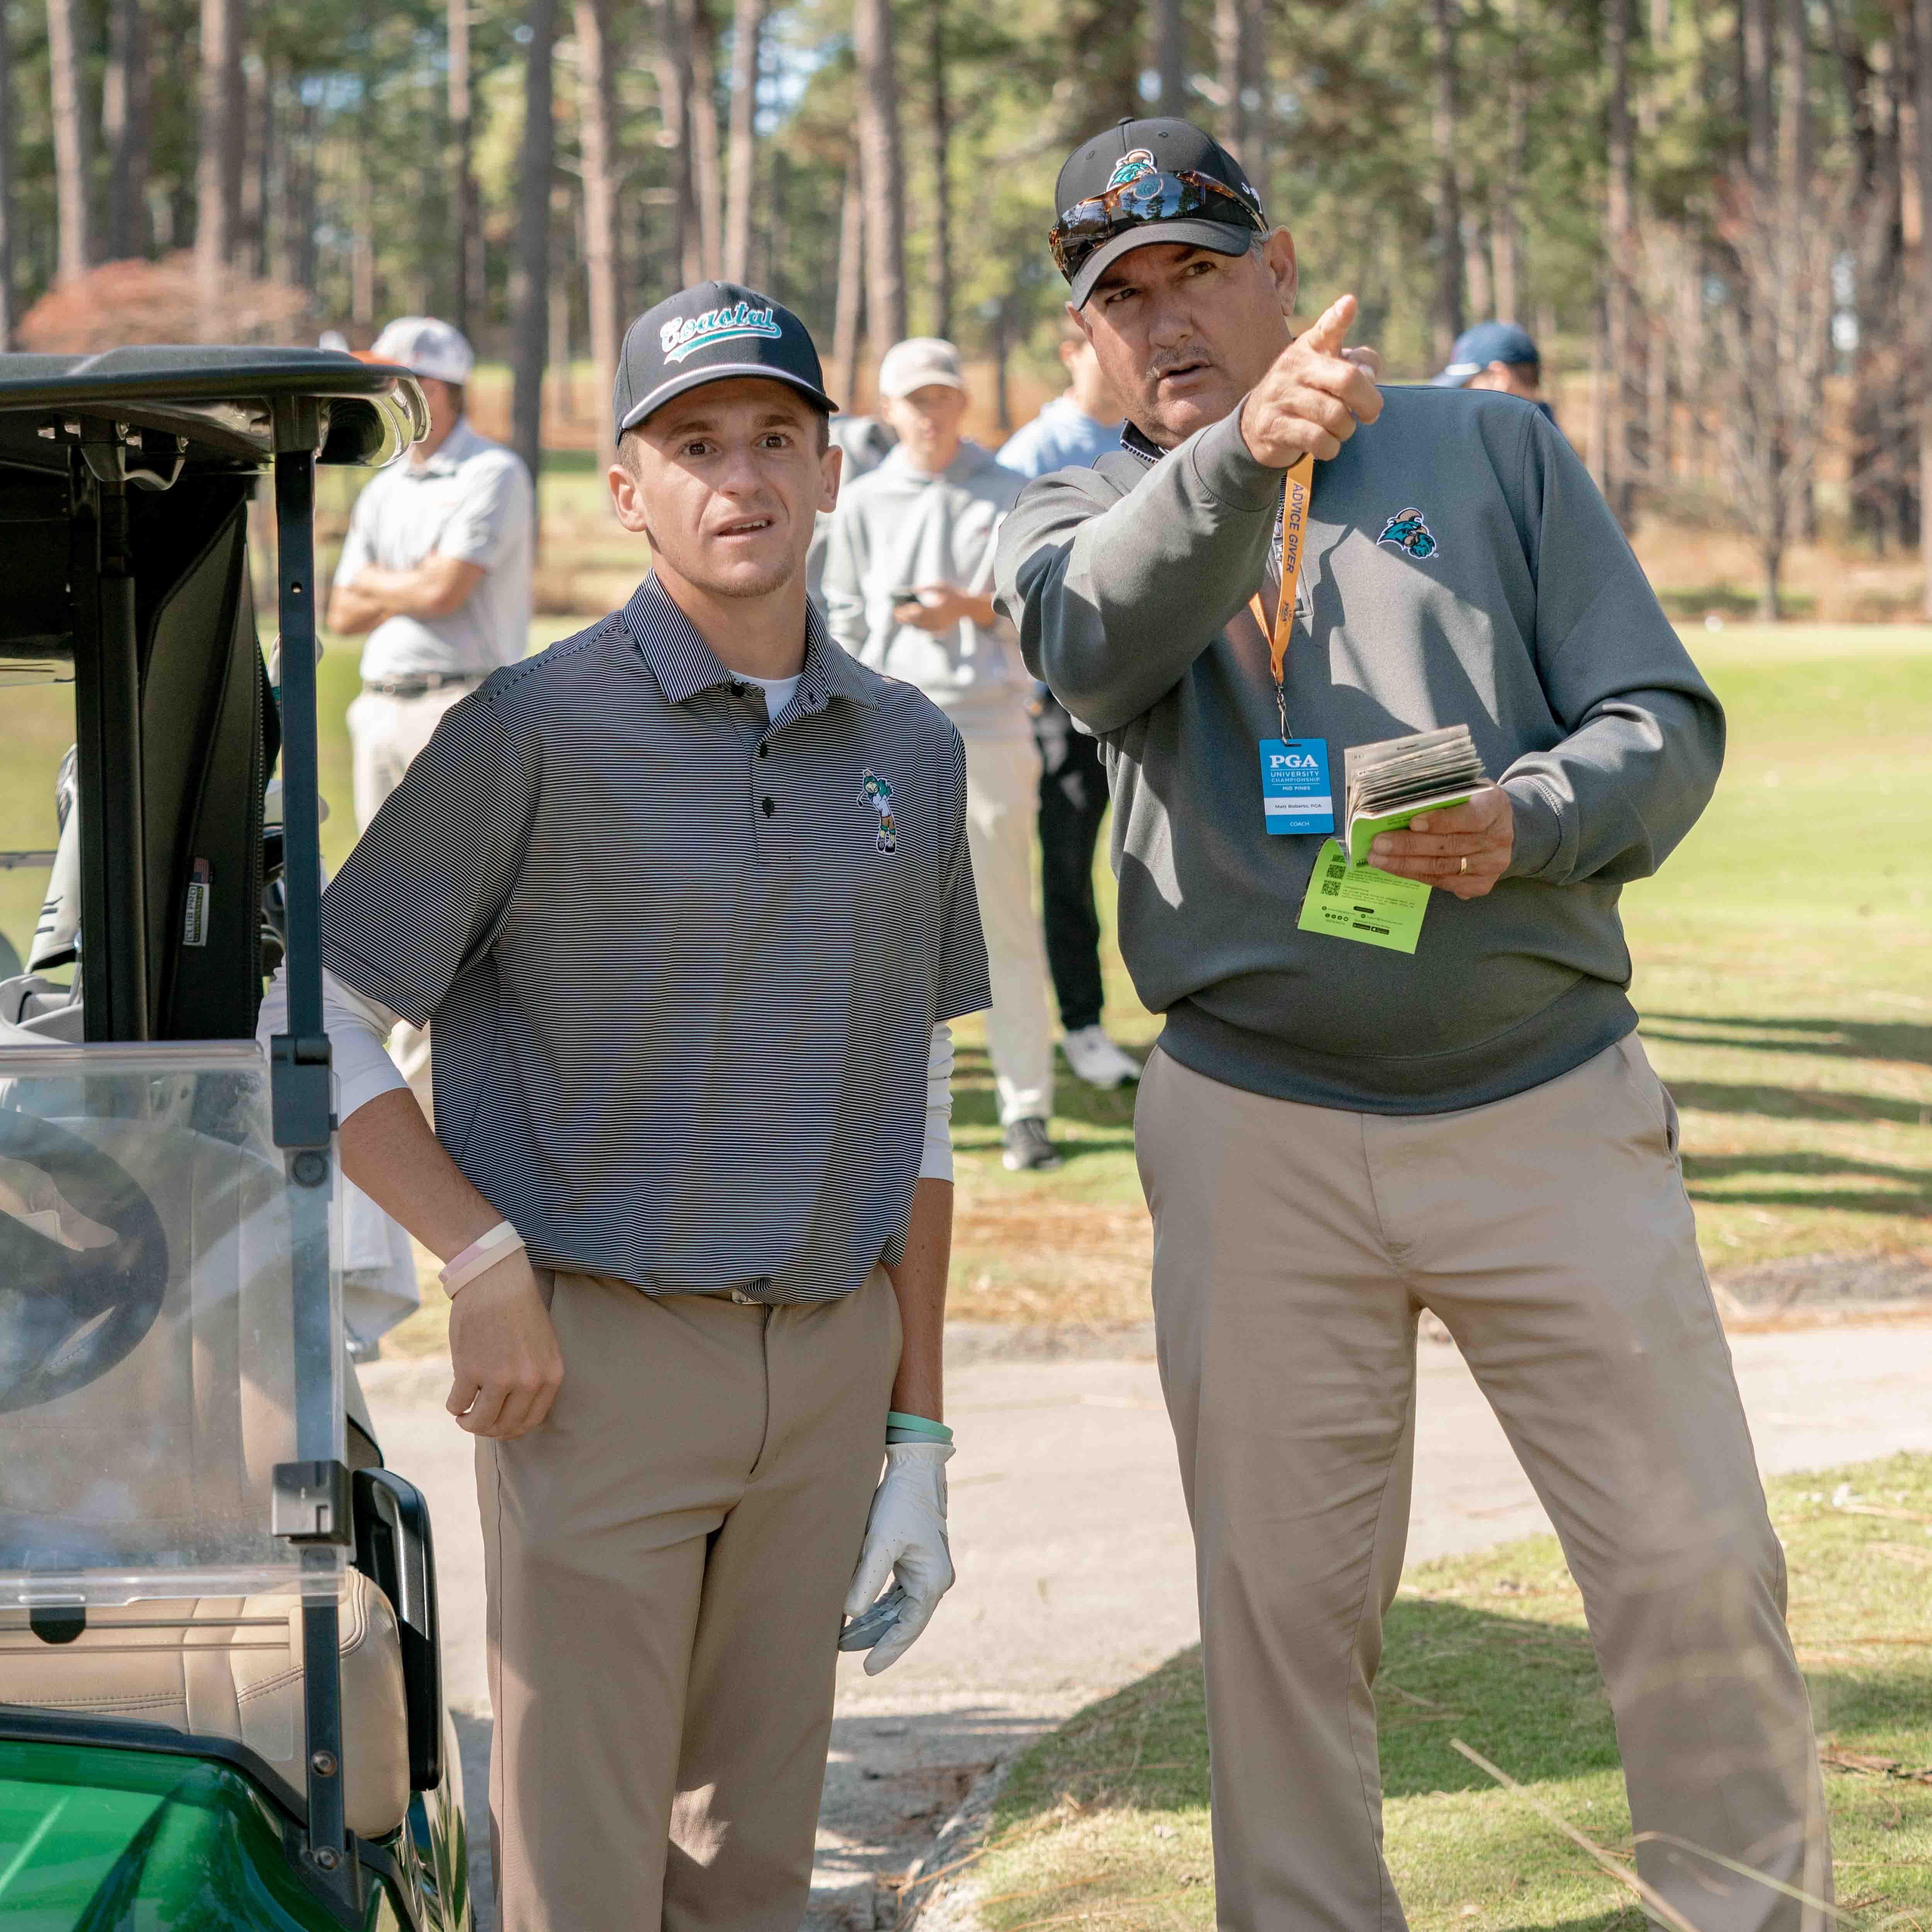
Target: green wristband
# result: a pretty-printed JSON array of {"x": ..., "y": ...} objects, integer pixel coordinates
[{"x": 903, "y": 1428}]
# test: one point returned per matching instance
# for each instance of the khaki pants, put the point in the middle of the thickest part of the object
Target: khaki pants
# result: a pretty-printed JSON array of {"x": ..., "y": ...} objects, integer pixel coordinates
[
  {"x": 666, "y": 1558},
  {"x": 1293, "y": 1246},
  {"x": 385, "y": 734},
  {"x": 1002, "y": 808}
]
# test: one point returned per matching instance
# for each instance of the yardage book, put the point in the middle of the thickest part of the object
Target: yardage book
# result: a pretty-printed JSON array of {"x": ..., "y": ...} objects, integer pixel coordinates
[{"x": 1390, "y": 783}]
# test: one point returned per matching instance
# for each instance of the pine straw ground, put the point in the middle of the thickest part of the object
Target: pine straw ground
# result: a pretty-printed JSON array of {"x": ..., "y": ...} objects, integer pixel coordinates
[{"x": 1105, "y": 1824}]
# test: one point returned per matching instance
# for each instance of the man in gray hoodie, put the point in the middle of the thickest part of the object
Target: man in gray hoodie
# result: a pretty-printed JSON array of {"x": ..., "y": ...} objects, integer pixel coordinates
[
  {"x": 908, "y": 592},
  {"x": 1350, "y": 1119}
]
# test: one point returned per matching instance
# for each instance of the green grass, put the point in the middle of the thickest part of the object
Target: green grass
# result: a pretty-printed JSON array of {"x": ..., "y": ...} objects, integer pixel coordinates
[
  {"x": 1112, "y": 1809},
  {"x": 1780, "y": 966}
]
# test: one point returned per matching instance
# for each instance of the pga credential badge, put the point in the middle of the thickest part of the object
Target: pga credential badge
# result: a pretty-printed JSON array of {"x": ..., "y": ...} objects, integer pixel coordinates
[
  {"x": 1407, "y": 532},
  {"x": 878, "y": 792}
]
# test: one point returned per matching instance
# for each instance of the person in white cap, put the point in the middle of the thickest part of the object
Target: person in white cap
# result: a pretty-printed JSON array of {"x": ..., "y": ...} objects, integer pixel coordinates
[
  {"x": 908, "y": 589},
  {"x": 436, "y": 573}
]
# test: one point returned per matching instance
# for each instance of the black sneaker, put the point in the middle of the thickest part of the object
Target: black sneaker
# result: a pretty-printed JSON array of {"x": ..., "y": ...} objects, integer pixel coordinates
[{"x": 1028, "y": 1150}]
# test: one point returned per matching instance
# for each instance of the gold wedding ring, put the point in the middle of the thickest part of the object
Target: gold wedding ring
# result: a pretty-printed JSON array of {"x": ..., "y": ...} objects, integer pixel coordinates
[{"x": 1462, "y": 865}]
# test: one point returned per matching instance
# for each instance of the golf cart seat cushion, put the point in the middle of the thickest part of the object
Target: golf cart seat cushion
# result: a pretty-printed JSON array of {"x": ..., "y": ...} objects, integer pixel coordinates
[{"x": 231, "y": 1667}]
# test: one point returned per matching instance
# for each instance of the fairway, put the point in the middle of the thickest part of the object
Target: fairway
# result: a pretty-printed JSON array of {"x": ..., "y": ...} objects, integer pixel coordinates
[{"x": 1780, "y": 969}]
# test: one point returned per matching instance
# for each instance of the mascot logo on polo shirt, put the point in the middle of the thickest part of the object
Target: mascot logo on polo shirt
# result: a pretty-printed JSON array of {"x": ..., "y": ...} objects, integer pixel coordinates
[
  {"x": 1407, "y": 532},
  {"x": 878, "y": 792}
]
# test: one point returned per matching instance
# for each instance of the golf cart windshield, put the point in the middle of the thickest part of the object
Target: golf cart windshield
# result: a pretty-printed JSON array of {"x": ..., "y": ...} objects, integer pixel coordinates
[
  {"x": 171, "y": 1402},
  {"x": 150, "y": 1369}
]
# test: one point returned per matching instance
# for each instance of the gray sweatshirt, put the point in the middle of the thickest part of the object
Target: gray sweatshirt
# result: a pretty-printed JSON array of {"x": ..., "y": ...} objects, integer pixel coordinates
[
  {"x": 1529, "y": 620},
  {"x": 896, "y": 528}
]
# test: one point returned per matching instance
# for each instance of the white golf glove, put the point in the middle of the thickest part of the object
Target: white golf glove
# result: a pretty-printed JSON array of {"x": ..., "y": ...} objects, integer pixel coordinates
[{"x": 905, "y": 1539}]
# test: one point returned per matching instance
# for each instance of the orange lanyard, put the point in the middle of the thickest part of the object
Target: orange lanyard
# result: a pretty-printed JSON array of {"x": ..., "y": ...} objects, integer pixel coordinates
[{"x": 1295, "y": 492}]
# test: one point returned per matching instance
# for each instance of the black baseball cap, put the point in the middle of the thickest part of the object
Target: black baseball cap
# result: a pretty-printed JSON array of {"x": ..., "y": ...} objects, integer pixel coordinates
[
  {"x": 1160, "y": 145},
  {"x": 705, "y": 334}
]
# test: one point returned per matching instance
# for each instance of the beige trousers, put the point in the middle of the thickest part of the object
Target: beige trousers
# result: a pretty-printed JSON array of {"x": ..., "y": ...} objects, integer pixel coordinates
[
  {"x": 666, "y": 1558},
  {"x": 384, "y": 735},
  {"x": 1002, "y": 808},
  {"x": 1294, "y": 1247}
]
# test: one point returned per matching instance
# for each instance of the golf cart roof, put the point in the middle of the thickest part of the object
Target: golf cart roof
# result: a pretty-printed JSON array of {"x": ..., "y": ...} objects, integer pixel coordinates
[{"x": 222, "y": 401}]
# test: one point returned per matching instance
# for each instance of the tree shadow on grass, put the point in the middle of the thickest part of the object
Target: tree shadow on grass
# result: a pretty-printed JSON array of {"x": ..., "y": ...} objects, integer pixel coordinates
[
  {"x": 1910, "y": 1197},
  {"x": 1524, "y": 1692},
  {"x": 1757, "y": 1032},
  {"x": 1794, "y": 1103}
]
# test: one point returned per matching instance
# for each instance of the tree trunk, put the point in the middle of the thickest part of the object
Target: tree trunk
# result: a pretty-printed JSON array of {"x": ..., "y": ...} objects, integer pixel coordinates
[
  {"x": 1476, "y": 263},
  {"x": 941, "y": 131},
  {"x": 672, "y": 61},
  {"x": 1754, "y": 46},
  {"x": 1102, "y": 41},
  {"x": 602, "y": 273},
  {"x": 748, "y": 27},
  {"x": 258, "y": 136},
  {"x": 1446, "y": 241},
  {"x": 466, "y": 279},
  {"x": 1771, "y": 558},
  {"x": 218, "y": 173},
  {"x": 851, "y": 286},
  {"x": 125, "y": 120},
  {"x": 707, "y": 172},
  {"x": 65, "y": 63},
  {"x": 1794, "y": 169},
  {"x": 1170, "y": 55},
  {"x": 8, "y": 318},
  {"x": 1598, "y": 441},
  {"x": 1921, "y": 16},
  {"x": 1230, "y": 28},
  {"x": 1619, "y": 251},
  {"x": 529, "y": 275},
  {"x": 1257, "y": 116},
  {"x": 883, "y": 171},
  {"x": 1507, "y": 253}
]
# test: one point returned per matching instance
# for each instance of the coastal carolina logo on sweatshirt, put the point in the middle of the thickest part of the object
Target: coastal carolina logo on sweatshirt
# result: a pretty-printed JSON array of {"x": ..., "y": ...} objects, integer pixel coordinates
[
  {"x": 1407, "y": 532},
  {"x": 677, "y": 339}
]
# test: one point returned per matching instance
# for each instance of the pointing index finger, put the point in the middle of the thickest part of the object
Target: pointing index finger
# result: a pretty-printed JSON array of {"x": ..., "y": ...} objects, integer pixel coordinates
[{"x": 1330, "y": 332}]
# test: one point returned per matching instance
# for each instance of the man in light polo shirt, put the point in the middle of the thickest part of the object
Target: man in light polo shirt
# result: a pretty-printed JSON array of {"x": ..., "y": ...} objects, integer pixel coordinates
[
  {"x": 697, "y": 1212},
  {"x": 436, "y": 572}
]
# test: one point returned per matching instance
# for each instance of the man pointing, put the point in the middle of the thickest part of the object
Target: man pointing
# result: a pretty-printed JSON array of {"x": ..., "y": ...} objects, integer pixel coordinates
[{"x": 1335, "y": 1134}]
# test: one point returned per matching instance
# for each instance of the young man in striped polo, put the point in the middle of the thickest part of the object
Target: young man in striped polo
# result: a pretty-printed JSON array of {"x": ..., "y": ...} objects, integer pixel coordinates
[{"x": 690, "y": 1169}]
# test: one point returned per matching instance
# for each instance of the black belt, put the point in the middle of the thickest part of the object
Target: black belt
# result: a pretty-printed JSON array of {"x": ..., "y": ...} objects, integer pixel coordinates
[{"x": 420, "y": 687}]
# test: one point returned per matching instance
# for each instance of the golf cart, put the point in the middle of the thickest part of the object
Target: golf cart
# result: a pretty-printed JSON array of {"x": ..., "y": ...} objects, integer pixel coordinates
[{"x": 220, "y": 1696}]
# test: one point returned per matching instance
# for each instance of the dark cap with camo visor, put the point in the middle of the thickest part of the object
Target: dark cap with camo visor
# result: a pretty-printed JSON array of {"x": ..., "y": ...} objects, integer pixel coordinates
[
  {"x": 708, "y": 334},
  {"x": 1147, "y": 181}
]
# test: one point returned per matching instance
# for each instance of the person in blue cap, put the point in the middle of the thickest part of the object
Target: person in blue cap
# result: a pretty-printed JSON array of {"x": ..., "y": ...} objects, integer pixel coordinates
[{"x": 1497, "y": 356}]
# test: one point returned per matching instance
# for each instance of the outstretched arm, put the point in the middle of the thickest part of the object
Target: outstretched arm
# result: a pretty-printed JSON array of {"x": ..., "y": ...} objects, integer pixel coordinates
[{"x": 1113, "y": 605}]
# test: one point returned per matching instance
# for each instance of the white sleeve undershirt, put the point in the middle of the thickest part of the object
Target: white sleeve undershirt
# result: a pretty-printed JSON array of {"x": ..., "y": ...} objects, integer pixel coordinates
[{"x": 358, "y": 1027}]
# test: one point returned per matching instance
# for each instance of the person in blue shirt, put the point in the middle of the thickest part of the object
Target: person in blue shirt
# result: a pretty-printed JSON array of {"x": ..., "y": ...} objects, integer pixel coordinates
[{"x": 1069, "y": 434}]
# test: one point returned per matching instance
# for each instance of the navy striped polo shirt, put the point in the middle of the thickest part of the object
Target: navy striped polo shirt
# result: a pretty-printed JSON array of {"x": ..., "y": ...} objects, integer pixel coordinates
[{"x": 683, "y": 963}]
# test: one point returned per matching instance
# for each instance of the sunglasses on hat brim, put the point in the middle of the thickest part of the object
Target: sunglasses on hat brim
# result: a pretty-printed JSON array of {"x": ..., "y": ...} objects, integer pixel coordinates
[{"x": 1146, "y": 198}]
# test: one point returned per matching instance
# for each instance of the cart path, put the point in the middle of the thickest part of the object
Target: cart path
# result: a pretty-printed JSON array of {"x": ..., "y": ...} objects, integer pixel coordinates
[{"x": 1075, "y": 1568}]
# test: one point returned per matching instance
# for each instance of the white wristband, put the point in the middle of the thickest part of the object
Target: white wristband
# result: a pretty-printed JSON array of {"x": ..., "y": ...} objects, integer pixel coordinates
[{"x": 482, "y": 1254}]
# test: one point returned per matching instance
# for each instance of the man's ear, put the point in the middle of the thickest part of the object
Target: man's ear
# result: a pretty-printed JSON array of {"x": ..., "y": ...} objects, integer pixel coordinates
[
  {"x": 1283, "y": 267},
  {"x": 1079, "y": 315},
  {"x": 626, "y": 498},
  {"x": 831, "y": 471}
]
